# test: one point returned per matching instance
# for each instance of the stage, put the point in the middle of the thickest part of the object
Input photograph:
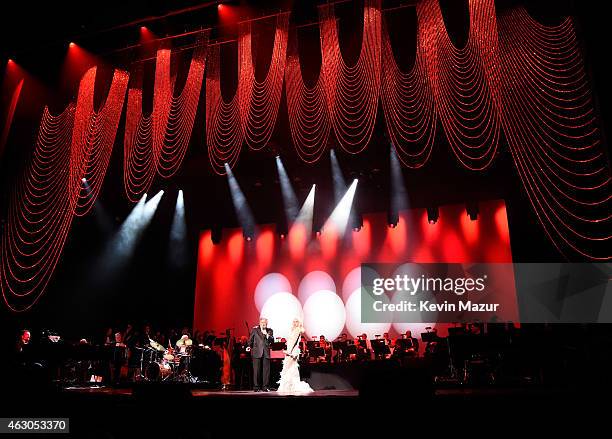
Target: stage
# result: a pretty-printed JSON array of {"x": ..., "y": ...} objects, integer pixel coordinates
[{"x": 128, "y": 392}]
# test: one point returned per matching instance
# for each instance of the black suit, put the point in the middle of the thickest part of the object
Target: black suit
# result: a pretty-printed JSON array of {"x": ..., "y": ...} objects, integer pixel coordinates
[{"x": 260, "y": 353}]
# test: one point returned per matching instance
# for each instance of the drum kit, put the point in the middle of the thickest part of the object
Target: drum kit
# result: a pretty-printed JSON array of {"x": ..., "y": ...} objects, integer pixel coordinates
[{"x": 158, "y": 363}]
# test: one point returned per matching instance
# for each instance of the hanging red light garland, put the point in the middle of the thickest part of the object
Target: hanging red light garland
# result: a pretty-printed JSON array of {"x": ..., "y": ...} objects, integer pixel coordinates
[
  {"x": 39, "y": 215},
  {"x": 309, "y": 121},
  {"x": 466, "y": 91},
  {"x": 93, "y": 137},
  {"x": 408, "y": 103},
  {"x": 157, "y": 142},
  {"x": 352, "y": 91},
  {"x": 262, "y": 111},
  {"x": 250, "y": 116},
  {"x": 224, "y": 124},
  {"x": 549, "y": 121},
  {"x": 62, "y": 179}
]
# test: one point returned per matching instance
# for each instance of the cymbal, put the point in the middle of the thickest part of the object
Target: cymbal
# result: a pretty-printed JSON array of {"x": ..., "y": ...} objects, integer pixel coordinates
[
  {"x": 155, "y": 345},
  {"x": 184, "y": 342}
]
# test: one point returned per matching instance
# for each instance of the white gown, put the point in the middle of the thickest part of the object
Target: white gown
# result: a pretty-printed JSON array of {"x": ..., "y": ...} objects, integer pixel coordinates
[{"x": 289, "y": 382}]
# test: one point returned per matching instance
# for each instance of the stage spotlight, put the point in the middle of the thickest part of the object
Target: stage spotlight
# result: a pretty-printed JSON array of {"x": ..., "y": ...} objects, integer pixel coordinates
[
  {"x": 215, "y": 235},
  {"x": 243, "y": 211},
  {"x": 178, "y": 253},
  {"x": 472, "y": 210},
  {"x": 337, "y": 176},
  {"x": 71, "y": 44},
  {"x": 357, "y": 221},
  {"x": 432, "y": 215},
  {"x": 392, "y": 219},
  {"x": 289, "y": 198},
  {"x": 338, "y": 220}
]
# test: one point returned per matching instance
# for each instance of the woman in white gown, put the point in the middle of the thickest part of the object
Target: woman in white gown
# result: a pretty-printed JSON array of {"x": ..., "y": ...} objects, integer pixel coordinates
[{"x": 290, "y": 375}]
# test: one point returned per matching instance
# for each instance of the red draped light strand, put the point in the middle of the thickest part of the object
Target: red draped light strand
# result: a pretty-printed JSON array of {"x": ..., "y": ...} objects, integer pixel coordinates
[
  {"x": 352, "y": 91},
  {"x": 224, "y": 125},
  {"x": 261, "y": 114},
  {"x": 408, "y": 104},
  {"x": 39, "y": 215},
  {"x": 466, "y": 92},
  {"x": 69, "y": 147},
  {"x": 250, "y": 116},
  {"x": 309, "y": 121},
  {"x": 549, "y": 121},
  {"x": 93, "y": 137},
  {"x": 158, "y": 142}
]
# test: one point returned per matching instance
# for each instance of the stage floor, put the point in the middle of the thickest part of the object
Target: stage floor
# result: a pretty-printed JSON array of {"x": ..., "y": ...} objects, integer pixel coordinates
[{"x": 201, "y": 393}]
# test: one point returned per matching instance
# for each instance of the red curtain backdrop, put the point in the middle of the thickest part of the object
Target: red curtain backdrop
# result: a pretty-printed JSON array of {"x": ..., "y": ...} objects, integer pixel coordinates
[{"x": 228, "y": 274}]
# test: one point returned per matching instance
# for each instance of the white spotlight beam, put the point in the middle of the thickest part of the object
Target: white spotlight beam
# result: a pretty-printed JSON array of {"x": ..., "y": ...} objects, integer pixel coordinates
[
  {"x": 178, "y": 234},
  {"x": 304, "y": 217},
  {"x": 337, "y": 176},
  {"x": 243, "y": 211},
  {"x": 338, "y": 220},
  {"x": 121, "y": 247},
  {"x": 399, "y": 196},
  {"x": 290, "y": 200}
]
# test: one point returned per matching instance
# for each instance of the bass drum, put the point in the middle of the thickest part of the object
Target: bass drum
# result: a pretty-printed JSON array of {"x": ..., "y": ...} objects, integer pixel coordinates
[{"x": 157, "y": 371}]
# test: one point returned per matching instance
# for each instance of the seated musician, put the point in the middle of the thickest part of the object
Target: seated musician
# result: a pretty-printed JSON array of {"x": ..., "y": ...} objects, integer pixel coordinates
[
  {"x": 24, "y": 341},
  {"x": 406, "y": 346},
  {"x": 303, "y": 347},
  {"x": 326, "y": 346},
  {"x": 241, "y": 363},
  {"x": 118, "y": 359},
  {"x": 364, "y": 347}
]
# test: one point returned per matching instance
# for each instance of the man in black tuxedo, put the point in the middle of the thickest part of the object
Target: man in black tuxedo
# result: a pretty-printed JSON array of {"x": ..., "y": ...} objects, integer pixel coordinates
[{"x": 259, "y": 344}]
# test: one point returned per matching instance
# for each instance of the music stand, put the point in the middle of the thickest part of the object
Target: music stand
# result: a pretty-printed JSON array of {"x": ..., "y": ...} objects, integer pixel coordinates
[
  {"x": 278, "y": 346},
  {"x": 380, "y": 348}
]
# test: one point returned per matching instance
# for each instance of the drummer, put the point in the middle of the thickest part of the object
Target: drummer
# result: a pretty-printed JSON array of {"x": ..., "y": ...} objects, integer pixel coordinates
[{"x": 184, "y": 344}]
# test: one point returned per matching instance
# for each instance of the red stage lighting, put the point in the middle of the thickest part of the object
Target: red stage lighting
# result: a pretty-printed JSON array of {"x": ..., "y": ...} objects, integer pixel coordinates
[{"x": 71, "y": 45}]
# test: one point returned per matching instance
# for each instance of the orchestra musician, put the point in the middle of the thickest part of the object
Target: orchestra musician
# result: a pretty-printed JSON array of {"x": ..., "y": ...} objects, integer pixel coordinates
[
  {"x": 406, "y": 346},
  {"x": 326, "y": 346},
  {"x": 118, "y": 359},
  {"x": 24, "y": 341},
  {"x": 241, "y": 359},
  {"x": 303, "y": 347}
]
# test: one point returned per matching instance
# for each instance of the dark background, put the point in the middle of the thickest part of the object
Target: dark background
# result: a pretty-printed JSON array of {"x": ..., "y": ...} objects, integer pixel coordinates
[{"x": 36, "y": 35}]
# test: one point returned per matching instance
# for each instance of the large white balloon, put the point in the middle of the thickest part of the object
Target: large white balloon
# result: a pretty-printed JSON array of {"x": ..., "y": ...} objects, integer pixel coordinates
[
  {"x": 268, "y": 285},
  {"x": 417, "y": 324},
  {"x": 352, "y": 281},
  {"x": 353, "y": 318},
  {"x": 324, "y": 314},
  {"x": 313, "y": 282},
  {"x": 280, "y": 310}
]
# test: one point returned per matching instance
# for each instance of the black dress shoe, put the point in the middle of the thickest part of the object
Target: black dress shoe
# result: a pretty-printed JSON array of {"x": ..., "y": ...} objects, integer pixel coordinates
[
  {"x": 256, "y": 389},
  {"x": 266, "y": 389}
]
